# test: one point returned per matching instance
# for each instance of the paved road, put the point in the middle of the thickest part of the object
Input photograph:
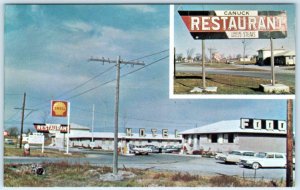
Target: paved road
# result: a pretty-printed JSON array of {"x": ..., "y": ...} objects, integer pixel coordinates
[
  {"x": 195, "y": 165},
  {"x": 285, "y": 76}
]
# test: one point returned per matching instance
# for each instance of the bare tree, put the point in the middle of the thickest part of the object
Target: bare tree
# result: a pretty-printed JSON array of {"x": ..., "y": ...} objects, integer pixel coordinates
[
  {"x": 189, "y": 53},
  {"x": 13, "y": 131}
]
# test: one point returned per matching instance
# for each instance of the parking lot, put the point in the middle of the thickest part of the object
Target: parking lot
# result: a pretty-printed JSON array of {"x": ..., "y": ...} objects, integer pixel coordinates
[{"x": 178, "y": 163}]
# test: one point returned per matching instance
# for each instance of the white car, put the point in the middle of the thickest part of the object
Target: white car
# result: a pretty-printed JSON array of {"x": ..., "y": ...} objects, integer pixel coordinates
[
  {"x": 235, "y": 156},
  {"x": 265, "y": 159},
  {"x": 141, "y": 150}
]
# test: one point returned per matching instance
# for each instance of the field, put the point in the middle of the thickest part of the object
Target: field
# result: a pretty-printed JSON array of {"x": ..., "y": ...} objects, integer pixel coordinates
[
  {"x": 227, "y": 84},
  {"x": 64, "y": 174},
  {"x": 13, "y": 151}
]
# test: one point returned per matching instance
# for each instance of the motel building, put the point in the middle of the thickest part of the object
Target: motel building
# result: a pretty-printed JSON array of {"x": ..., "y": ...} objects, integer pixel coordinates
[
  {"x": 81, "y": 136},
  {"x": 244, "y": 134}
]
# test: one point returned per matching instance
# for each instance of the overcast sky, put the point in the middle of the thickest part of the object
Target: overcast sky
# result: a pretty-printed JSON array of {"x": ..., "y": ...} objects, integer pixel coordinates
[
  {"x": 183, "y": 39},
  {"x": 46, "y": 53}
]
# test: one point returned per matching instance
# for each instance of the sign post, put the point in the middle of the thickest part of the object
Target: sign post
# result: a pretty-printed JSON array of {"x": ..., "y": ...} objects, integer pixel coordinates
[
  {"x": 62, "y": 109},
  {"x": 68, "y": 134},
  {"x": 37, "y": 138}
]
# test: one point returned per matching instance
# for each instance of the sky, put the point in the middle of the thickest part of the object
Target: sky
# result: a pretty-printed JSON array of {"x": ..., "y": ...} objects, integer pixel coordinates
[
  {"x": 183, "y": 39},
  {"x": 47, "y": 48}
]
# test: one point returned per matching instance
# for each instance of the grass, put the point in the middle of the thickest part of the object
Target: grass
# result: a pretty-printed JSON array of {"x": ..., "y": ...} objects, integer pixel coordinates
[
  {"x": 13, "y": 151},
  {"x": 227, "y": 84},
  {"x": 64, "y": 174}
]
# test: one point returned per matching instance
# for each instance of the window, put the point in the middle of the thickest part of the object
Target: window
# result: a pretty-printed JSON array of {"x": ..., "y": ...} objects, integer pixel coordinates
[
  {"x": 270, "y": 156},
  {"x": 248, "y": 154},
  {"x": 214, "y": 138},
  {"x": 230, "y": 138},
  {"x": 278, "y": 156},
  {"x": 149, "y": 141}
]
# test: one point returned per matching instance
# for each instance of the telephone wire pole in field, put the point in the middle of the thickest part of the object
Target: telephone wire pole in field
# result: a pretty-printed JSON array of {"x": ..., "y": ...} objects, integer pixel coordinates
[{"x": 118, "y": 62}]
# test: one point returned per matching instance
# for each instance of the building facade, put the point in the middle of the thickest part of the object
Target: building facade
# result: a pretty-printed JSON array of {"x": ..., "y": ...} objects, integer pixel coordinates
[
  {"x": 281, "y": 57},
  {"x": 81, "y": 136},
  {"x": 244, "y": 134}
]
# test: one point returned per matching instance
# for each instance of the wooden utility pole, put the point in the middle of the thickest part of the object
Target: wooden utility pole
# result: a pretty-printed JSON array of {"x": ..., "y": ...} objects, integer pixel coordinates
[
  {"x": 22, "y": 120},
  {"x": 118, "y": 63},
  {"x": 289, "y": 144},
  {"x": 23, "y": 117},
  {"x": 203, "y": 65},
  {"x": 174, "y": 70}
]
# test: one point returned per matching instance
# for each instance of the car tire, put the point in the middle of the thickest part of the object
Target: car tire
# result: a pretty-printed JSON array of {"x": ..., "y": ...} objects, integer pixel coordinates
[{"x": 255, "y": 165}]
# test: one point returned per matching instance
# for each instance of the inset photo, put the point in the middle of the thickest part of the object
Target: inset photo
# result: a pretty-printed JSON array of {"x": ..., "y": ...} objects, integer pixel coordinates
[{"x": 234, "y": 49}]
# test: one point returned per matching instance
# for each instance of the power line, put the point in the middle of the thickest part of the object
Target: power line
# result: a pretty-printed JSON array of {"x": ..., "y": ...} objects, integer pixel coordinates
[
  {"x": 82, "y": 84},
  {"x": 124, "y": 75}
]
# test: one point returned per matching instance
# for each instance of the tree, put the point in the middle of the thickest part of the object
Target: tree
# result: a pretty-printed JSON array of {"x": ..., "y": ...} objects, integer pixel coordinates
[
  {"x": 29, "y": 132},
  {"x": 13, "y": 131},
  {"x": 189, "y": 53},
  {"x": 179, "y": 57}
]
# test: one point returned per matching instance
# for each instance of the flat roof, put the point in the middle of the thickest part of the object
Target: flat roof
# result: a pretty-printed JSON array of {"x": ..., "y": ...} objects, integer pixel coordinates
[{"x": 123, "y": 135}]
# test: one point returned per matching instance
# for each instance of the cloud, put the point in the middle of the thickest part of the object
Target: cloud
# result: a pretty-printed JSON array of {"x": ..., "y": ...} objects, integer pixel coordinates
[
  {"x": 78, "y": 26},
  {"x": 140, "y": 8}
]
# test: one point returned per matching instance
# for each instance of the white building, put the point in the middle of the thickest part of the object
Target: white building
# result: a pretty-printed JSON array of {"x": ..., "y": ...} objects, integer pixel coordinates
[
  {"x": 80, "y": 136},
  {"x": 243, "y": 134},
  {"x": 281, "y": 57}
]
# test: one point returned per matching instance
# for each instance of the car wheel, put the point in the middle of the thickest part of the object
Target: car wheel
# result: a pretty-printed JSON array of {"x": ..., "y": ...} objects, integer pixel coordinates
[{"x": 255, "y": 165}]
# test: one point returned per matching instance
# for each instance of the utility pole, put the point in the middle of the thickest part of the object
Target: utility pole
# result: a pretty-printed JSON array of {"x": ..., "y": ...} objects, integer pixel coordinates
[
  {"x": 210, "y": 53},
  {"x": 23, "y": 118},
  {"x": 289, "y": 144},
  {"x": 118, "y": 62},
  {"x": 244, "y": 51},
  {"x": 93, "y": 122},
  {"x": 174, "y": 70},
  {"x": 203, "y": 65}
]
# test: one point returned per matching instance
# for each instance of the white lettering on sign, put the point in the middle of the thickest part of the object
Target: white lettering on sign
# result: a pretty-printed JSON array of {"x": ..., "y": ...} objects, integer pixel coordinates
[
  {"x": 128, "y": 132},
  {"x": 282, "y": 125},
  {"x": 165, "y": 133},
  {"x": 142, "y": 132},
  {"x": 244, "y": 123},
  {"x": 195, "y": 23},
  {"x": 263, "y": 124},
  {"x": 154, "y": 131},
  {"x": 256, "y": 124},
  {"x": 236, "y": 23},
  {"x": 269, "y": 125}
]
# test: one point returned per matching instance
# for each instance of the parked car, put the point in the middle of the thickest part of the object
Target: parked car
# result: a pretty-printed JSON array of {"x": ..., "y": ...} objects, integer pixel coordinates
[
  {"x": 235, "y": 156},
  {"x": 170, "y": 149},
  {"x": 9, "y": 141},
  {"x": 141, "y": 150},
  {"x": 265, "y": 159}
]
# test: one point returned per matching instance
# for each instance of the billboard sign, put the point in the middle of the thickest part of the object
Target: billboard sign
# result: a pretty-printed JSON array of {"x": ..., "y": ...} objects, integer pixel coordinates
[
  {"x": 235, "y": 24},
  {"x": 59, "y": 108}
]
